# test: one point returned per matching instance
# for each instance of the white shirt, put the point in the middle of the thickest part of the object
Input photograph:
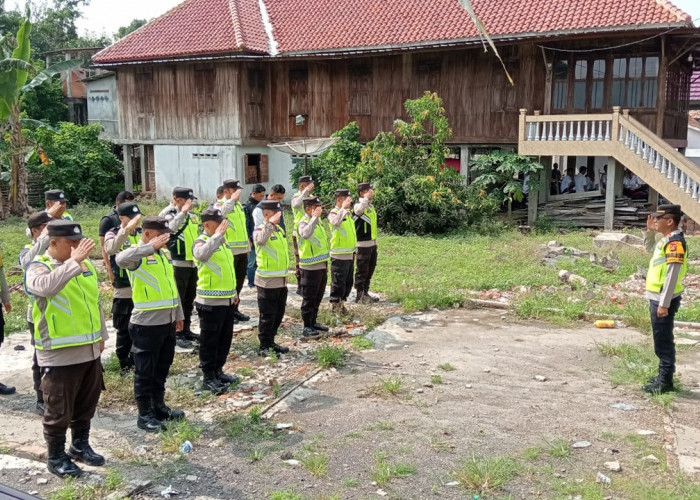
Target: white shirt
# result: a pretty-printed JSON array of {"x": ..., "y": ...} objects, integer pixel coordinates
[{"x": 580, "y": 182}]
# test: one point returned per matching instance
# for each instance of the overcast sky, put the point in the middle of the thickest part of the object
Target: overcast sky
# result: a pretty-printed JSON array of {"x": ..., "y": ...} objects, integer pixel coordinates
[{"x": 108, "y": 15}]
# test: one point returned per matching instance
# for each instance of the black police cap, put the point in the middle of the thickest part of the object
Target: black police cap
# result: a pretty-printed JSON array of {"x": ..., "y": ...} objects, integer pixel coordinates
[
  {"x": 60, "y": 228},
  {"x": 342, "y": 192},
  {"x": 232, "y": 184},
  {"x": 212, "y": 214},
  {"x": 38, "y": 219},
  {"x": 667, "y": 210},
  {"x": 271, "y": 205},
  {"x": 305, "y": 178},
  {"x": 312, "y": 201},
  {"x": 55, "y": 195},
  {"x": 363, "y": 186},
  {"x": 156, "y": 223},
  {"x": 129, "y": 210},
  {"x": 183, "y": 192}
]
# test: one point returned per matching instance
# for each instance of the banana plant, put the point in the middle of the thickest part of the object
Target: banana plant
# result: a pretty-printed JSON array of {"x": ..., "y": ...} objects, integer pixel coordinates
[{"x": 15, "y": 66}]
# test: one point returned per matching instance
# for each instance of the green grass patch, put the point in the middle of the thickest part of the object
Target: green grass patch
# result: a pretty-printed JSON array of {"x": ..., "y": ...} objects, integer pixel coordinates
[
  {"x": 381, "y": 426},
  {"x": 249, "y": 427},
  {"x": 436, "y": 379},
  {"x": 315, "y": 462},
  {"x": 290, "y": 494},
  {"x": 330, "y": 357},
  {"x": 72, "y": 490},
  {"x": 446, "y": 367},
  {"x": 177, "y": 433},
  {"x": 384, "y": 471},
  {"x": 485, "y": 475},
  {"x": 559, "y": 448},
  {"x": 350, "y": 483},
  {"x": 532, "y": 452},
  {"x": 361, "y": 343},
  {"x": 245, "y": 371}
]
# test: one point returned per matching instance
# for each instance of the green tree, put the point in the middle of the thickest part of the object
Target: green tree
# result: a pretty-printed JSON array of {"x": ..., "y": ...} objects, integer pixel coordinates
[
  {"x": 81, "y": 163},
  {"x": 331, "y": 169},
  {"x": 414, "y": 190},
  {"x": 132, "y": 26},
  {"x": 44, "y": 102}
]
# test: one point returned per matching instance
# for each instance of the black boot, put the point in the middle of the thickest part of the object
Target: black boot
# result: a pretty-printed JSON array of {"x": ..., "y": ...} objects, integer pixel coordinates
[
  {"x": 163, "y": 412},
  {"x": 39, "y": 408},
  {"x": 239, "y": 316},
  {"x": 212, "y": 384},
  {"x": 662, "y": 384},
  {"x": 279, "y": 349},
  {"x": 81, "y": 450},
  {"x": 147, "y": 420},
  {"x": 320, "y": 328},
  {"x": 358, "y": 296},
  {"x": 309, "y": 331},
  {"x": 58, "y": 462},
  {"x": 6, "y": 390},
  {"x": 225, "y": 378},
  {"x": 126, "y": 365}
]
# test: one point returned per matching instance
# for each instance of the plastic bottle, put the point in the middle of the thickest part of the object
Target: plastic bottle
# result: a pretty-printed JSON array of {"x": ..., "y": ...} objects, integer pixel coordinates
[{"x": 605, "y": 323}]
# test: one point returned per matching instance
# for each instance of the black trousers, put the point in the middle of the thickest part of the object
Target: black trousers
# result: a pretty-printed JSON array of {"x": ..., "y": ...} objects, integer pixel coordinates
[
  {"x": 71, "y": 394},
  {"x": 216, "y": 334},
  {"x": 313, "y": 286},
  {"x": 271, "y": 305},
  {"x": 341, "y": 279},
  {"x": 664, "y": 346},
  {"x": 186, "y": 282},
  {"x": 36, "y": 371},
  {"x": 240, "y": 268},
  {"x": 121, "y": 315},
  {"x": 153, "y": 348},
  {"x": 366, "y": 264}
]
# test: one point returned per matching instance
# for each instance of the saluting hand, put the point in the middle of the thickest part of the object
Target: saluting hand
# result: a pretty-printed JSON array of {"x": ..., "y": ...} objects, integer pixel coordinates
[
  {"x": 275, "y": 219},
  {"x": 82, "y": 251},
  {"x": 236, "y": 194},
  {"x": 133, "y": 224},
  {"x": 651, "y": 223},
  {"x": 160, "y": 241},
  {"x": 54, "y": 209},
  {"x": 310, "y": 187},
  {"x": 317, "y": 212},
  {"x": 347, "y": 202},
  {"x": 221, "y": 230},
  {"x": 187, "y": 206}
]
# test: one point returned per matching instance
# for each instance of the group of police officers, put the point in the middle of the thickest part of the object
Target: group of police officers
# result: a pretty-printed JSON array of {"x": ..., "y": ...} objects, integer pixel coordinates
[{"x": 161, "y": 268}]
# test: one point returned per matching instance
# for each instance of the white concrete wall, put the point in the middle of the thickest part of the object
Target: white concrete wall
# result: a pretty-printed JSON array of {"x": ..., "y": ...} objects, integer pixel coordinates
[
  {"x": 692, "y": 152},
  {"x": 184, "y": 166},
  {"x": 103, "y": 105}
]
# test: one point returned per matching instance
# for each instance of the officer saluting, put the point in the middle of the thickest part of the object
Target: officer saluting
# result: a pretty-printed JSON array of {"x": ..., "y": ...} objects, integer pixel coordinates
[
  {"x": 125, "y": 235},
  {"x": 343, "y": 248},
  {"x": 156, "y": 317},
  {"x": 56, "y": 204},
  {"x": 272, "y": 256},
  {"x": 366, "y": 230},
  {"x": 313, "y": 261},
  {"x": 216, "y": 300},
  {"x": 69, "y": 334}
]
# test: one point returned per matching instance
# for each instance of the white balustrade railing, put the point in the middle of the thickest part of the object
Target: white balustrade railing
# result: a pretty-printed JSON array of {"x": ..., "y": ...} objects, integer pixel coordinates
[{"x": 568, "y": 130}]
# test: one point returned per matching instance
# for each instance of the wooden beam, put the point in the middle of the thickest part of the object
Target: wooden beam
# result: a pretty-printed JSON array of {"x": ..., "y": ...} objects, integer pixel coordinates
[
  {"x": 661, "y": 93},
  {"x": 144, "y": 170},
  {"x": 610, "y": 189},
  {"x": 128, "y": 169}
]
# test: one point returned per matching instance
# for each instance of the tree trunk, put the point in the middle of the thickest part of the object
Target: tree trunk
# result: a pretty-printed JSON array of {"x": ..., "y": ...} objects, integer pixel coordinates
[{"x": 18, "y": 199}]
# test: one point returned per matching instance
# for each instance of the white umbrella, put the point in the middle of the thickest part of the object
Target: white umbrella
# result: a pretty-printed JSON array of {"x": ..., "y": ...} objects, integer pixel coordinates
[{"x": 305, "y": 147}]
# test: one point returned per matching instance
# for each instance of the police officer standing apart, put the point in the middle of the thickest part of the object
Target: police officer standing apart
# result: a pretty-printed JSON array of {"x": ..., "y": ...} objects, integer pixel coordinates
[
  {"x": 109, "y": 222},
  {"x": 69, "y": 335},
  {"x": 306, "y": 188},
  {"x": 56, "y": 204},
  {"x": 157, "y": 316},
  {"x": 343, "y": 248},
  {"x": 185, "y": 228},
  {"x": 256, "y": 196},
  {"x": 313, "y": 260},
  {"x": 36, "y": 225},
  {"x": 664, "y": 286},
  {"x": 215, "y": 302},
  {"x": 366, "y": 229},
  {"x": 236, "y": 235},
  {"x": 125, "y": 235},
  {"x": 272, "y": 255}
]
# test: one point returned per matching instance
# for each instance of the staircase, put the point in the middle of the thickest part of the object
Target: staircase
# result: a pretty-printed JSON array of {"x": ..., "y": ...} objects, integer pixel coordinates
[{"x": 621, "y": 137}]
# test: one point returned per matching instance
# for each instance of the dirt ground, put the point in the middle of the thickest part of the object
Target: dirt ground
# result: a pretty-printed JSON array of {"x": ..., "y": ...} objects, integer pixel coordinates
[{"x": 515, "y": 386}]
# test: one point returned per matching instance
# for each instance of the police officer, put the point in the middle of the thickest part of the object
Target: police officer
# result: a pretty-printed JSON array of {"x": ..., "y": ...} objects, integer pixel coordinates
[
  {"x": 664, "y": 286},
  {"x": 313, "y": 261},
  {"x": 55, "y": 200},
  {"x": 109, "y": 222},
  {"x": 256, "y": 196},
  {"x": 185, "y": 228},
  {"x": 236, "y": 236},
  {"x": 215, "y": 302},
  {"x": 69, "y": 334},
  {"x": 306, "y": 188},
  {"x": 5, "y": 390},
  {"x": 272, "y": 255},
  {"x": 36, "y": 227},
  {"x": 343, "y": 248},
  {"x": 125, "y": 235},
  {"x": 156, "y": 317},
  {"x": 366, "y": 229}
]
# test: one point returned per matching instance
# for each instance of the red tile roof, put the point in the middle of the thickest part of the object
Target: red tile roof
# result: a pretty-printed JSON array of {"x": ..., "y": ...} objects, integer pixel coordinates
[{"x": 336, "y": 25}]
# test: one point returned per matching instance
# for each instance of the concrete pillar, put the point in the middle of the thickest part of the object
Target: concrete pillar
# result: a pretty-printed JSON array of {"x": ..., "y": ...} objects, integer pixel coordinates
[
  {"x": 128, "y": 169},
  {"x": 653, "y": 198},
  {"x": 614, "y": 184},
  {"x": 144, "y": 170},
  {"x": 464, "y": 162}
]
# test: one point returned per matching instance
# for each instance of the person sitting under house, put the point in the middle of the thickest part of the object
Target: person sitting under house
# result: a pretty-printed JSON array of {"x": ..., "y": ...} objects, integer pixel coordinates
[
  {"x": 580, "y": 180},
  {"x": 634, "y": 187},
  {"x": 567, "y": 184},
  {"x": 556, "y": 179}
]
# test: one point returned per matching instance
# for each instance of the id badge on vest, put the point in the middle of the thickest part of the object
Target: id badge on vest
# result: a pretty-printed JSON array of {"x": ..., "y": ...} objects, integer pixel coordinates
[{"x": 86, "y": 269}]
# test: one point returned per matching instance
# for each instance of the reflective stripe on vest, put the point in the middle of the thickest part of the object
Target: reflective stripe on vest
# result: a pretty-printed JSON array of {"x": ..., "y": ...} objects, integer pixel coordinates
[
  {"x": 216, "y": 277},
  {"x": 343, "y": 237},
  {"x": 273, "y": 257},
  {"x": 188, "y": 236},
  {"x": 314, "y": 249},
  {"x": 236, "y": 234},
  {"x": 656, "y": 275},
  {"x": 72, "y": 317},
  {"x": 153, "y": 283}
]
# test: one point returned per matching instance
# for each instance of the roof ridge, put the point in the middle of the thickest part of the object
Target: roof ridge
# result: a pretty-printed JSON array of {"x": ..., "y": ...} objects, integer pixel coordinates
[
  {"x": 676, "y": 11},
  {"x": 236, "y": 21},
  {"x": 269, "y": 28}
]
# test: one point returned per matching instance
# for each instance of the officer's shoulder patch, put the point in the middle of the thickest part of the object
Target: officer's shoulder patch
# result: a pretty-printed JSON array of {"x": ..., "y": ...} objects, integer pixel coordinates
[{"x": 675, "y": 252}]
